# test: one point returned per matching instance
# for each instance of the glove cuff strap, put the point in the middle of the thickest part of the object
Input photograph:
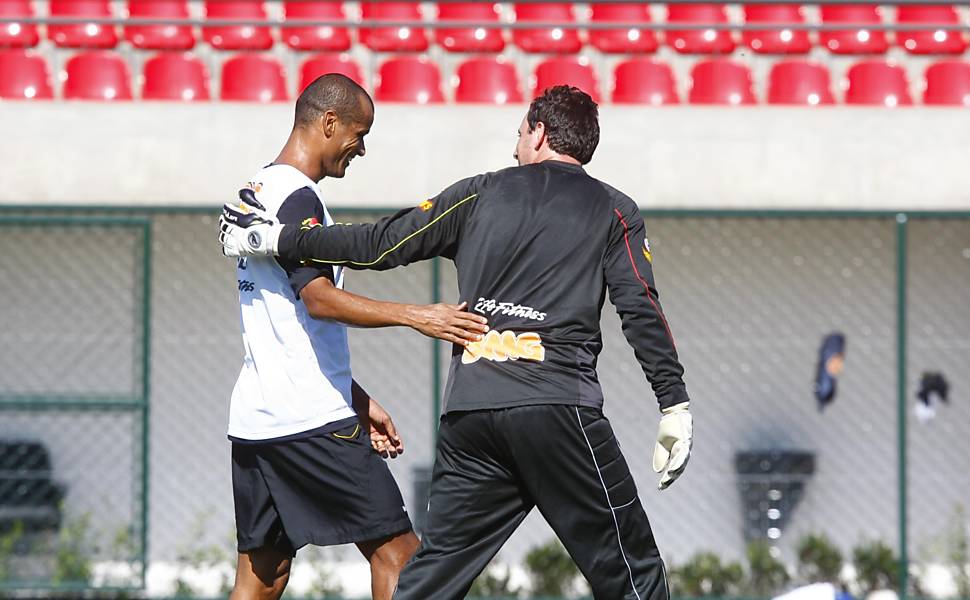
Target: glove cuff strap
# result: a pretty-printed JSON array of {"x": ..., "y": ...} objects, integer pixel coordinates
[{"x": 273, "y": 238}]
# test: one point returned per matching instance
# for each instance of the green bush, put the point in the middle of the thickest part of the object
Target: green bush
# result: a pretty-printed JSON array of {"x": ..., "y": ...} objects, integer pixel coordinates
[
  {"x": 767, "y": 575},
  {"x": 876, "y": 567},
  {"x": 958, "y": 550},
  {"x": 72, "y": 563},
  {"x": 704, "y": 575},
  {"x": 551, "y": 569},
  {"x": 819, "y": 560},
  {"x": 194, "y": 554},
  {"x": 493, "y": 583},
  {"x": 9, "y": 541}
]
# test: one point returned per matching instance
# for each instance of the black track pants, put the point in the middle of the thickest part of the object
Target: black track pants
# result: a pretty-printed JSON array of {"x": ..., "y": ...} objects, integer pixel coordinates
[{"x": 493, "y": 466}]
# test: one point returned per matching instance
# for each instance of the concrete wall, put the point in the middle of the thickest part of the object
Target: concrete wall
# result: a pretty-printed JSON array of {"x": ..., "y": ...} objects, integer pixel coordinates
[{"x": 70, "y": 153}]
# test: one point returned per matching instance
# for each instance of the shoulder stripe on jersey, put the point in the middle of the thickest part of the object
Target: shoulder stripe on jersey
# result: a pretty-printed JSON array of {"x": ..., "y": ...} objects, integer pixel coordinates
[
  {"x": 626, "y": 238},
  {"x": 398, "y": 245}
]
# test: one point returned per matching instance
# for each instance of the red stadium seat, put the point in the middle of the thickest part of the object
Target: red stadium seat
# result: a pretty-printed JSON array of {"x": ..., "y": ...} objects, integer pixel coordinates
[
  {"x": 17, "y": 35},
  {"x": 487, "y": 80},
  {"x": 409, "y": 79},
  {"x": 237, "y": 37},
  {"x": 877, "y": 83},
  {"x": 643, "y": 81},
  {"x": 24, "y": 76},
  {"x": 557, "y": 39},
  {"x": 175, "y": 76},
  {"x": 97, "y": 76},
  {"x": 329, "y": 63},
  {"x": 861, "y": 41},
  {"x": 331, "y": 39},
  {"x": 253, "y": 78},
  {"x": 799, "y": 82},
  {"x": 84, "y": 35},
  {"x": 467, "y": 39},
  {"x": 159, "y": 37},
  {"x": 695, "y": 41},
  {"x": 930, "y": 42},
  {"x": 393, "y": 39},
  {"x": 621, "y": 41},
  {"x": 948, "y": 83},
  {"x": 566, "y": 70},
  {"x": 721, "y": 81},
  {"x": 776, "y": 41}
]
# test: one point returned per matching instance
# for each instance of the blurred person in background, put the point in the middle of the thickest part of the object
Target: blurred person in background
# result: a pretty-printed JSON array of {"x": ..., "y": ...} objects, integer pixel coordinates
[
  {"x": 307, "y": 440},
  {"x": 537, "y": 247}
]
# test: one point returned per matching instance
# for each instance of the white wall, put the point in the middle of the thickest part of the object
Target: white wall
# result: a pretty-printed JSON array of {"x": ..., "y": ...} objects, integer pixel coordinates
[{"x": 94, "y": 154}]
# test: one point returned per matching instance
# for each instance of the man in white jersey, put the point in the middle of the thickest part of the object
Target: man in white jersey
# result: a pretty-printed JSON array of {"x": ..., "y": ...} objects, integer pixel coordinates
[{"x": 306, "y": 439}]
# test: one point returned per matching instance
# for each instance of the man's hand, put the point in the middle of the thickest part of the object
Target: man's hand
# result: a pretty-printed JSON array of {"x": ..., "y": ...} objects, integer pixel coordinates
[
  {"x": 383, "y": 435},
  {"x": 448, "y": 322},
  {"x": 245, "y": 229},
  {"x": 674, "y": 440}
]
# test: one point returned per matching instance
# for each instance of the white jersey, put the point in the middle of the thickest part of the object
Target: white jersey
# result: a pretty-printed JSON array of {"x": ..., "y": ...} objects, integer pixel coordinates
[{"x": 296, "y": 371}]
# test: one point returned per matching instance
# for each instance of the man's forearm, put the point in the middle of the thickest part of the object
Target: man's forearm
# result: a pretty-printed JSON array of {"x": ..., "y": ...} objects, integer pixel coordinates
[
  {"x": 338, "y": 244},
  {"x": 329, "y": 302}
]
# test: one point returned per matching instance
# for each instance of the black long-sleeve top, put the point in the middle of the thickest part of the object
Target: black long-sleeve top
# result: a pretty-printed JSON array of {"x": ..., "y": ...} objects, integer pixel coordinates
[{"x": 537, "y": 247}]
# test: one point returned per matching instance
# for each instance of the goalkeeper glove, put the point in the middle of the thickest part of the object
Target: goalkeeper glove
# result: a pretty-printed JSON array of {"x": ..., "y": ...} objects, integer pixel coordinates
[
  {"x": 246, "y": 230},
  {"x": 674, "y": 439}
]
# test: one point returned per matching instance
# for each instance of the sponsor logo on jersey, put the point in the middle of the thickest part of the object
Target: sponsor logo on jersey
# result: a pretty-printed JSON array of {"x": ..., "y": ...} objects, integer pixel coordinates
[
  {"x": 308, "y": 223},
  {"x": 426, "y": 205},
  {"x": 245, "y": 285},
  {"x": 500, "y": 346},
  {"x": 646, "y": 250},
  {"x": 492, "y": 307},
  {"x": 256, "y": 186}
]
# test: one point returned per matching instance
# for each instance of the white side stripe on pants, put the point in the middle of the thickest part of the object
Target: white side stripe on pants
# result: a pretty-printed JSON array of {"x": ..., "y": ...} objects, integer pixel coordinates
[{"x": 608, "y": 503}]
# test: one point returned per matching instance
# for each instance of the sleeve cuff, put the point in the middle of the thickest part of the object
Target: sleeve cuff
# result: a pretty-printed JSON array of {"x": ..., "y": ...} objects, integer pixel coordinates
[{"x": 673, "y": 396}]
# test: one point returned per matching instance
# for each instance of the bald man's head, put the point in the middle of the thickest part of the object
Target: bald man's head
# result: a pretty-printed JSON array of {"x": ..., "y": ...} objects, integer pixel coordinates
[
  {"x": 333, "y": 114},
  {"x": 337, "y": 93}
]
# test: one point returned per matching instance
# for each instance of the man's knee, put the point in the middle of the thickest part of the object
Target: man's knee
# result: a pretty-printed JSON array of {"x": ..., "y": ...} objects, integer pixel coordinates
[
  {"x": 393, "y": 553},
  {"x": 261, "y": 575}
]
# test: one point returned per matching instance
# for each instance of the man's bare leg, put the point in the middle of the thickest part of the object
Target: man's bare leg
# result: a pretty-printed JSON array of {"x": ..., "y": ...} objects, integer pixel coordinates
[
  {"x": 262, "y": 574},
  {"x": 387, "y": 556}
]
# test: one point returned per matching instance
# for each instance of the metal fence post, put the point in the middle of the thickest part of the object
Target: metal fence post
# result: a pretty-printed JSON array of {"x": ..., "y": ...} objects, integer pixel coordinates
[
  {"x": 901, "y": 220},
  {"x": 145, "y": 390}
]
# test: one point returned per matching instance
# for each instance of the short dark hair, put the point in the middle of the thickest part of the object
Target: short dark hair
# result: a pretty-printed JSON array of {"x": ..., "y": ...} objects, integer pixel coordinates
[
  {"x": 571, "y": 119},
  {"x": 335, "y": 92}
]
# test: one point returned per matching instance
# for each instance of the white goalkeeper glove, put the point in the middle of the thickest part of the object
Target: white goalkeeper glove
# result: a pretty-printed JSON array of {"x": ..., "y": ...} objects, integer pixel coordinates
[
  {"x": 674, "y": 439},
  {"x": 245, "y": 229}
]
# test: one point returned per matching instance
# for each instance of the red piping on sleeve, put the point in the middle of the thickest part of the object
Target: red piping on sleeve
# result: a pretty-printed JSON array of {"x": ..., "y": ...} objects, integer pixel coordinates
[{"x": 626, "y": 238}]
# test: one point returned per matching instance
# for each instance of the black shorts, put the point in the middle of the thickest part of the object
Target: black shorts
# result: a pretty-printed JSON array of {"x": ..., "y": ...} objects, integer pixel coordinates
[{"x": 322, "y": 487}]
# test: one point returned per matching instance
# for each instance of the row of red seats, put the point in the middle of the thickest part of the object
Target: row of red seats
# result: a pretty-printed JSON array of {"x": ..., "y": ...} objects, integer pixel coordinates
[
  {"x": 484, "y": 39},
  {"x": 104, "y": 75}
]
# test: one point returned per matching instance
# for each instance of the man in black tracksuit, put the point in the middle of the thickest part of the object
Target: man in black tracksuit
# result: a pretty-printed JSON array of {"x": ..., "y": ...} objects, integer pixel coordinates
[{"x": 537, "y": 248}]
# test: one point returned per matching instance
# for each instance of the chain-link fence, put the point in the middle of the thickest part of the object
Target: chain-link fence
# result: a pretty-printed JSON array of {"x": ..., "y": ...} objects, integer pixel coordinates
[
  {"x": 749, "y": 298},
  {"x": 73, "y": 401}
]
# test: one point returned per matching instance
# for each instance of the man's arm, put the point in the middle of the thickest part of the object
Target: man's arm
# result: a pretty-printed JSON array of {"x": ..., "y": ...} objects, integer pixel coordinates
[
  {"x": 449, "y": 322},
  {"x": 433, "y": 228},
  {"x": 430, "y": 229},
  {"x": 628, "y": 267},
  {"x": 383, "y": 435},
  {"x": 629, "y": 278},
  {"x": 313, "y": 284}
]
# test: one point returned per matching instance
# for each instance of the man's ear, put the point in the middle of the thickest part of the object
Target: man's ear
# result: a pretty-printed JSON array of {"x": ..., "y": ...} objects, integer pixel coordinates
[
  {"x": 328, "y": 121},
  {"x": 540, "y": 129}
]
